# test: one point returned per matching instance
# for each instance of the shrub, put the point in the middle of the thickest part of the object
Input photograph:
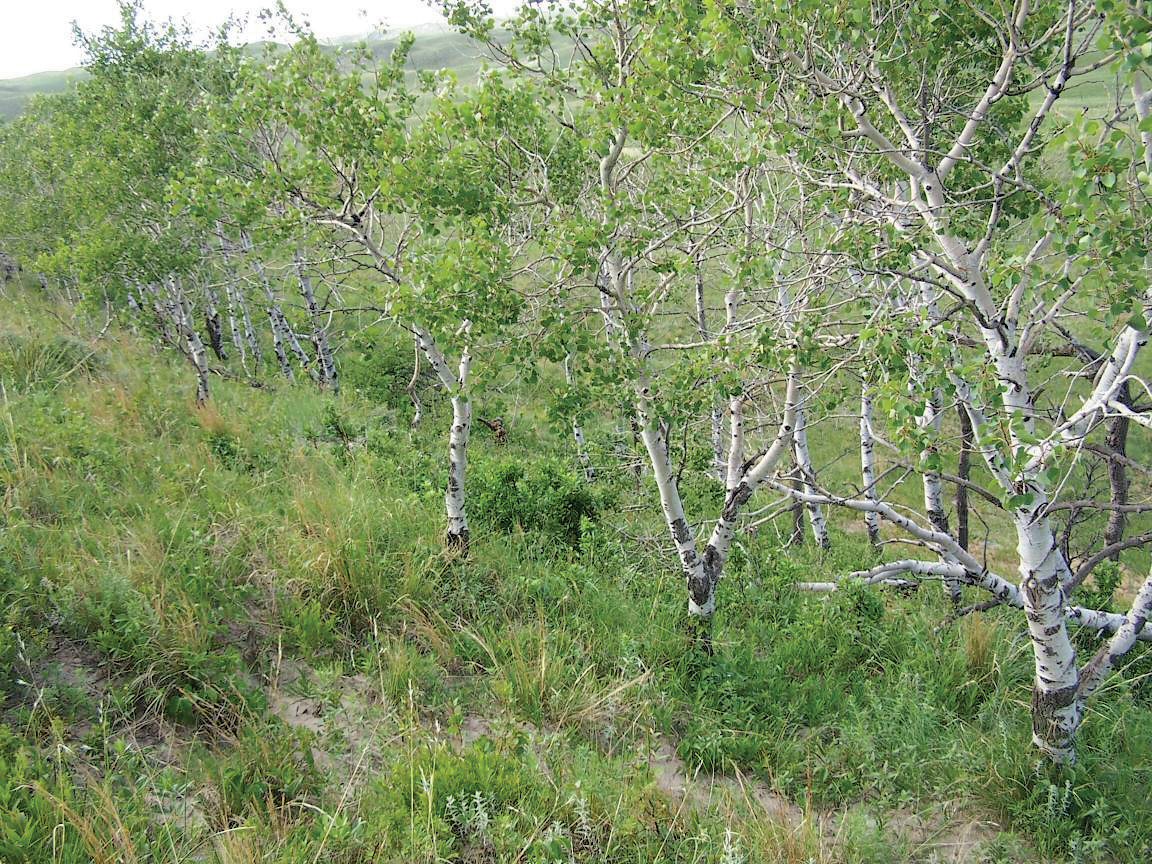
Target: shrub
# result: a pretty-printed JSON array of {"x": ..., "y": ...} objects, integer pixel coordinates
[{"x": 544, "y": 496}]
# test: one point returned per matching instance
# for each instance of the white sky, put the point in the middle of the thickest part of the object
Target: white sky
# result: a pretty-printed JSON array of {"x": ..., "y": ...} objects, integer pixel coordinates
[{"x": 36, "y": 35}]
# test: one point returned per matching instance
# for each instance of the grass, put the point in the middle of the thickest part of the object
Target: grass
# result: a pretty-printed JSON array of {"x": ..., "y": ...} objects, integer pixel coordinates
[{"x": 231, "y": 634}]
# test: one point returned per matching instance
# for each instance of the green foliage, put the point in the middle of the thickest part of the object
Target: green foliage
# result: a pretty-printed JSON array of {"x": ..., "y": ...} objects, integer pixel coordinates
[
  {"x": 545, "y": 496},
  {"x": 380, "y": 368},
  {"x": 270, "y": 768}
]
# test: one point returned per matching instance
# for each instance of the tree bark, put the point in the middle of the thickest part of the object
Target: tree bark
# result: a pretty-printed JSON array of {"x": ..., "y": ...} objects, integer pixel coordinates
[
  {"x": 327, "y": 367},
  {"x": 963, "y": 471},
  {"x": 457, "y": 470},
  {"x": 578, "y": 431},
  {"x": 195, "y": 347},
  {"x": 212, "y": 324},
  {"x": 867, "y": 466},
  {"x": 1117, "y": 444},
  {"x": 808, "y": 479}
]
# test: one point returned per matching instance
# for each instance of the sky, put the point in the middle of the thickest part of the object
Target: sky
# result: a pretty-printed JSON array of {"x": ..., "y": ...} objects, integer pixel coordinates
[{"x": 36, "y": 35}]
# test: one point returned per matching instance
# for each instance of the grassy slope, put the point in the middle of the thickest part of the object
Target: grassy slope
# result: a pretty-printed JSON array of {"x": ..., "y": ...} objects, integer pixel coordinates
[{"x": 240, "y": 618}]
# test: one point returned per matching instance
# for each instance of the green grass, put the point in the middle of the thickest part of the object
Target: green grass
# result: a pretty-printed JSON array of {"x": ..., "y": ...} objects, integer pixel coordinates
[{"x": 232, "y": 634}]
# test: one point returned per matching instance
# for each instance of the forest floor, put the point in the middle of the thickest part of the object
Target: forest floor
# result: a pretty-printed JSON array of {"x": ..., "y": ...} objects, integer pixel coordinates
[{"x": 232, "y": 634}]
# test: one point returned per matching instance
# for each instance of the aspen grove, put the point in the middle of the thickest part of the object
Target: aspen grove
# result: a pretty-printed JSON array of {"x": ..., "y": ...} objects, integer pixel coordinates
[{"x": 863, "y": 284}]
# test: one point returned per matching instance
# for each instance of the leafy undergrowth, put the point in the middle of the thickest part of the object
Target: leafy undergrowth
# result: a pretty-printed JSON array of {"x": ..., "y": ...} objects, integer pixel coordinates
[{"x": 231, "y": 634}]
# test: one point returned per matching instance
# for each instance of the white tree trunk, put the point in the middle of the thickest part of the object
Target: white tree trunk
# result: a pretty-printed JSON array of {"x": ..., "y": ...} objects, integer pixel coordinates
[
  {"x": 868, "y": 466},
  {"x": 457, "y": 386},
  {"x": 808, "y": 477},
  {"x": 274, "y": 317},
  {"x": 195, "y": 346},
  {"x": 457, "y": 470},
  {"x": 1056, "y": 710},
  {"x": 716, "y": 414},
  {"x": 326, "y": 373},
  {"x": 578, "y": 431},
  {"x": 234, "y": 327},
  {"x": 701, "y": 589}
]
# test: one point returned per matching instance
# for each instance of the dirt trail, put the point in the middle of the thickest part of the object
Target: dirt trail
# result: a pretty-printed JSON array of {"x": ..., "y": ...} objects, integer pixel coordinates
[
  {"x": 349, "y": 725},
  {"x": 933, "y": 837}
]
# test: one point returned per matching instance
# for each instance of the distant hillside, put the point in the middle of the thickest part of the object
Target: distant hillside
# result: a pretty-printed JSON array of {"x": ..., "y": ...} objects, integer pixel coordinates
[
  {"x": 15, "y": 92},
  {"x": 435, "y": 48}
]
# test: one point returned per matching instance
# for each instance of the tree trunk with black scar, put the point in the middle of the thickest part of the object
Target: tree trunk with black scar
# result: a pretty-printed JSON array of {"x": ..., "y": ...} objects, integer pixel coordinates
[
  {"x": 457, "y": 471},
  {"x": 212, "y": 324},
  {"x": 963, "y": 471}
]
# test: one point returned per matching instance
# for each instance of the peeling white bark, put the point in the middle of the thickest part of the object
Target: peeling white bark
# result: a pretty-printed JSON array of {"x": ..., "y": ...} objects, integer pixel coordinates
[
  {"x": 867, "y": 465},
  {"x": 803, "y": 460}
]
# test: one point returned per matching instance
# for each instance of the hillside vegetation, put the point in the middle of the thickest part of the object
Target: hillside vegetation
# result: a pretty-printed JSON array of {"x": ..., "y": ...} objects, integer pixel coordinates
[
  {"x": 229, "y": 635},
  {"x": 697, "y": 432}
]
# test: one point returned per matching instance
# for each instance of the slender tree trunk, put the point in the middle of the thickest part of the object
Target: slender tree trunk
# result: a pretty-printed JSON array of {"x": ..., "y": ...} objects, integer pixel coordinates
[
  {"x": 577, "y": 430},
  {"x": 250, "y": 336},
  {"x": 212, "y": 324},
  {"x": 963, "y": 471},
  {"x": 797, "y": 507},
  {"x": 716, "y": 413},
  {"x": 297, "y": 350},
  {"x": 454, "y": 497},
  {"x": 278, "y": 342},
  {"x": 234, "y": 328},
  {"x": 457, "y": 470},
  {"x": 867, "y": 465},
  {"x": 327, "y": 367},
  {"x": 808, "y": 478},
  {"x": 195, "y": 346},
  {"x": 1117, "y": 443},
  {"x": 417, "y": 411},
  {"x": 457, "y": 386}
]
